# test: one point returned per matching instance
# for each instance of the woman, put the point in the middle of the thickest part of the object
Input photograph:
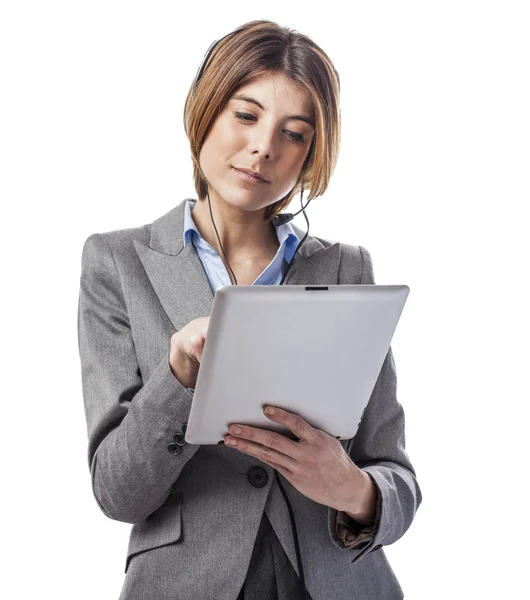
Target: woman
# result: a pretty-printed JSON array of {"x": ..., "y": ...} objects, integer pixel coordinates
[{"x": 220, "y": 521}]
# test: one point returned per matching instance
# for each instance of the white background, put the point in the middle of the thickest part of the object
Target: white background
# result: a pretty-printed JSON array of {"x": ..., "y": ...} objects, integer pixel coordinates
[{"x": 433, "y": 178}]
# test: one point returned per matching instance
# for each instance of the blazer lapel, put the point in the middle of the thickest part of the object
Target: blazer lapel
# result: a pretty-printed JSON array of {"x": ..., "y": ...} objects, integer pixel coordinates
[{"x": 178, "y": 278}]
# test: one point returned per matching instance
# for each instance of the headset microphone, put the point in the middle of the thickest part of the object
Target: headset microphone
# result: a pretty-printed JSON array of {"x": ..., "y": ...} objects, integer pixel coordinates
[{"x": 283, "y": 218}]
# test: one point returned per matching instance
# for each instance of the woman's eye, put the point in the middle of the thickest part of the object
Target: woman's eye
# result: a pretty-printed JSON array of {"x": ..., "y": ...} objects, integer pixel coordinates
[
  {"x": 244, "y": 116},
  {"x": 296, "y": 137}
]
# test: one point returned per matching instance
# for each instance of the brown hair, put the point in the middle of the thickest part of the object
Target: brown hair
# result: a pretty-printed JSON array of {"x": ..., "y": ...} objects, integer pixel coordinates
[{"x": 259, "y": 47}]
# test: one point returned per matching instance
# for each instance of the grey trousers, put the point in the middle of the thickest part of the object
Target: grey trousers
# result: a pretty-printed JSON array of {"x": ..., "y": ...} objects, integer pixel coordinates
[{"x": 270, "y": 574}]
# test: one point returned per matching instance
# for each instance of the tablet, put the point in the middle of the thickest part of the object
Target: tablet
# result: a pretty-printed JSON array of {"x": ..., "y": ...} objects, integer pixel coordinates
[{"x": 314, "y": 350}]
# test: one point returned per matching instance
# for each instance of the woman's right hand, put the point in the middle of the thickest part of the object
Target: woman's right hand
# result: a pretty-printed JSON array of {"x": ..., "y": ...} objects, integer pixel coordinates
[{"x": 186, "y": 351}]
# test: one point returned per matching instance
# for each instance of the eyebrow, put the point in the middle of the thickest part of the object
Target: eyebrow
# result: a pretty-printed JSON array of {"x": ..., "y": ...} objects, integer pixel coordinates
[{"x": 303, "y": 118}]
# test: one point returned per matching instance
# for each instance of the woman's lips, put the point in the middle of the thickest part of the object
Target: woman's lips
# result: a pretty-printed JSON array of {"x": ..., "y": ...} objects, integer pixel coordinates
[{"x": 246, "y": 177}]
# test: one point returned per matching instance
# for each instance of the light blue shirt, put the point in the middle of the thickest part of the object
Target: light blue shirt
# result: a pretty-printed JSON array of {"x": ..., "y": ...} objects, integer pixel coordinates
[{"x": 214, "y": 266}]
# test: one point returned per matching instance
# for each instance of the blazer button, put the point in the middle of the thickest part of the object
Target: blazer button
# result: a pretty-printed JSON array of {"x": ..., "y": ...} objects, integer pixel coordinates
[
  {"x": 258, "y": 477},
  {"x": 179, "y": 439},
  {"x": 174, "y": 449}
]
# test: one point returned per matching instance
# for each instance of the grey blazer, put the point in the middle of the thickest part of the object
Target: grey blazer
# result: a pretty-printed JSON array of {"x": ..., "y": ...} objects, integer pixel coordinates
[{"x": 196, "y": 509}]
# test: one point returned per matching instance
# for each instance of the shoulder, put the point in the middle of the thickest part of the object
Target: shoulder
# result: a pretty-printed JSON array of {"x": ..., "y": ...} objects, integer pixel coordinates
[
  {"x": 358, "y": 252},
  {"x": 355, "y": 264},
  {"x": 117, "y": 243},
  {"x": 355, "y": 261}
]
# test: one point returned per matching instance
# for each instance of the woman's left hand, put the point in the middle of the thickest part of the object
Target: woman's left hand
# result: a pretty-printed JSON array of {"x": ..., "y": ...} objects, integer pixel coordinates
[{"x": 317, "y": 465}]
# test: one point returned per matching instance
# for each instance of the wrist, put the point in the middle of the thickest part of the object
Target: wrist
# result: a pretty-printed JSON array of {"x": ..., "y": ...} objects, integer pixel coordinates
[{"x": 363, "y": 508}]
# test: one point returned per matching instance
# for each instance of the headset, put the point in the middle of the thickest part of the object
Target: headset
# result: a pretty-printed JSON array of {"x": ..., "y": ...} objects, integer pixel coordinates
[{"x": 279, "y": 219}]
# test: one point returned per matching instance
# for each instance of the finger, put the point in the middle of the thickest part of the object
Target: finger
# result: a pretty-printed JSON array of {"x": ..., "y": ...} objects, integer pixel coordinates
[
  {"x": 268, "y": 439},
  {"x": 301, "y": 428},
  {"x": 265, "y": 438},
  {"x": 267, "y": 455}
]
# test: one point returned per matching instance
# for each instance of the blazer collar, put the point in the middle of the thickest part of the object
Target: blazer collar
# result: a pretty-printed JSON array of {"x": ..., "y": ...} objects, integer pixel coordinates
[{"x": 178, "y": 278}]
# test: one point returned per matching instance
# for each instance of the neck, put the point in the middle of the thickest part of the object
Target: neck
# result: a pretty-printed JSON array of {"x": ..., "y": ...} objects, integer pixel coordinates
[{"x": 245, "y": 235}]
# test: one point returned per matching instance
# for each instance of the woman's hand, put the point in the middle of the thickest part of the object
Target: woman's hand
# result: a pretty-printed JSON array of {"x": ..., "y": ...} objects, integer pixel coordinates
[
  {"x": 317, "y": 465},
  {"x": 186, "y": 350}
]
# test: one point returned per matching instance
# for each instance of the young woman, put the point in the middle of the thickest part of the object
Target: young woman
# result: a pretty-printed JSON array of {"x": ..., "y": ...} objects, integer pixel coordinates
[{"x": 269, "y": 517}]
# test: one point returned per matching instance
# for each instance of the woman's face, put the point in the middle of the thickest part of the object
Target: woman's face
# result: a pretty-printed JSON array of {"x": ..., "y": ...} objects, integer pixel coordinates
[{"x": 267, "y": 138}]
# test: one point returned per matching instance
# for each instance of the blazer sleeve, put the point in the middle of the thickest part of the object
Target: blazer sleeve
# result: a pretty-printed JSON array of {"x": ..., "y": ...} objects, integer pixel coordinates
[
  {"x": 379, "y": 449},
  {"x": 130, "y": 422}
]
